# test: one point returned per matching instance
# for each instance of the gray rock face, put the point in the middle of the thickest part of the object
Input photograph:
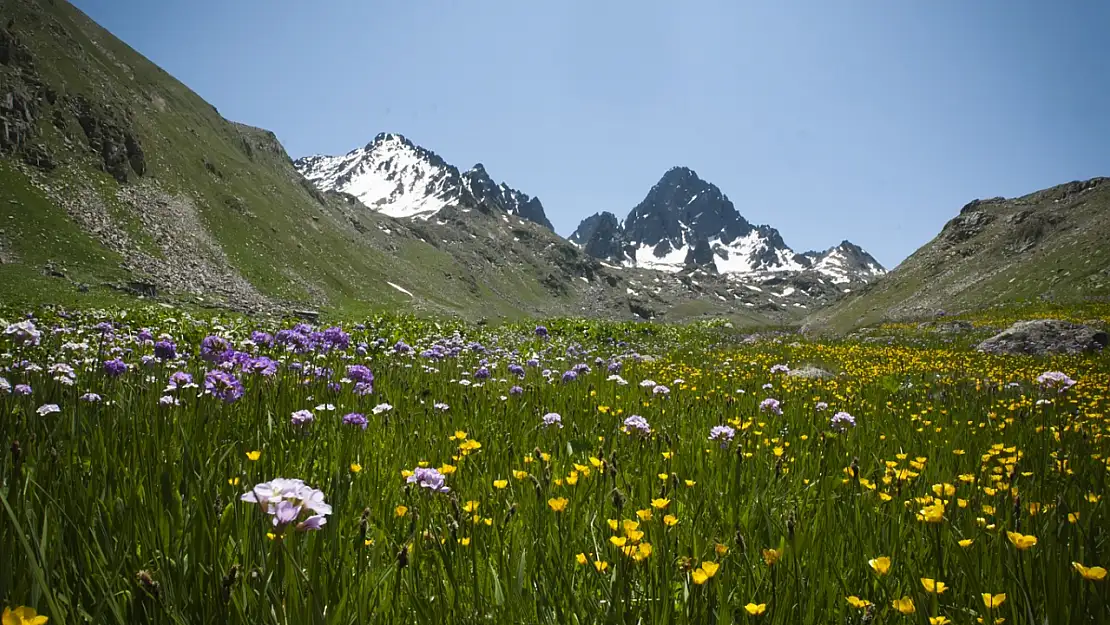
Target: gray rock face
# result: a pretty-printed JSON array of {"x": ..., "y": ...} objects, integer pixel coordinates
[
  {"x": 811, "y": 373},
  {"x": 1045, "y": 337}
]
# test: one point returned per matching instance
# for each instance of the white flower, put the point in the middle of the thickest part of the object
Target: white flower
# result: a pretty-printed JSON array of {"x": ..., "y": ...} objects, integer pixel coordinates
[
  {"x": 46, "y": 409},
  {"x": 618, "y": 379},
  {"x": 647, "y": 384},
  {"x": 380, "y": 408},
  {"x": 325, "y": 407}
]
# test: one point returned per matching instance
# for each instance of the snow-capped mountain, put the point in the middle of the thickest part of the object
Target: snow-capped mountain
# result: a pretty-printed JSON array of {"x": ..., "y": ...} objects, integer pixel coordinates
[
  {"x": 844, "y": 263},
  {"x": 396, "y": 177},
  {"x": 686, "y": 222}
]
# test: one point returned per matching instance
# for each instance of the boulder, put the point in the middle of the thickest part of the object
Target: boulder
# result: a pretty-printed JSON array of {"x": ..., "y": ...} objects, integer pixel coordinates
[
  {"x": 810, "y": 372},
  {"x": 1045, "y": 337}
]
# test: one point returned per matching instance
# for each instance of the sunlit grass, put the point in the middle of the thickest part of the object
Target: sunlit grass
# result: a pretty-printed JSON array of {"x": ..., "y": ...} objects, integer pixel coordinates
[{"x": 963, "y": 478}]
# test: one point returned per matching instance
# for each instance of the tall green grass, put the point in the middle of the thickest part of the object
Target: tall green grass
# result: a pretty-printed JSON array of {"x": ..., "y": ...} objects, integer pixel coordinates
[{"x": 126, "y": 511}]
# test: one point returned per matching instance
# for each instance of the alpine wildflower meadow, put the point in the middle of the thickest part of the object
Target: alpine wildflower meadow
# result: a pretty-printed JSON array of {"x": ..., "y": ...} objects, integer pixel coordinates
[{"x": 160, "y": 466}]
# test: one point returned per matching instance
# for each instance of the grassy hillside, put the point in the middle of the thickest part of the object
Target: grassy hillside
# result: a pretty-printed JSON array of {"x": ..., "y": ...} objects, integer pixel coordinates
[
  {"x": 117, "y": 180},
  {"x": 1048, "y": 246}
]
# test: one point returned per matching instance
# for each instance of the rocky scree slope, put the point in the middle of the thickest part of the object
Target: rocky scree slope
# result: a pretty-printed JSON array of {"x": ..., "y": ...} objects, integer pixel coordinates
[{"x": 1050, "y": 245}]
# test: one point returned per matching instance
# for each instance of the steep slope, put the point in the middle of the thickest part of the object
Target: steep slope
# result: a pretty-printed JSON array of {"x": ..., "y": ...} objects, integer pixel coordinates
[
  {"x": 1050, "y": 245},
  {"x": 685, "y": 222},
  {"x": 395, "y": 177},
  {"x": 114, "y": 177}
]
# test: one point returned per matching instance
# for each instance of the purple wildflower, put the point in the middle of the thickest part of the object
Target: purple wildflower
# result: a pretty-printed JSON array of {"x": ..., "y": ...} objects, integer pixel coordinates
[
  {"x": 92, "y": 398},
  {"x": 570, "y": 376},
  {"x": 482, "y": 373},
  {"x": 552, "y": 419},
  {"x": 771, "y": 405},
  {"x": 516, "y": 390},
  {"x": 1055, "y": 380},
  {"x": 223, "y": 385},
  {"x": 356, "y": 419},
  {"x": 722, "y": 433},
  {"x": 180, "y": 379},
  {"x": 23, "y": 333},
  {"x": 659, "y": 389},
  {"x": 302, "y": 417},
  {"x": 213, "y": 348},
  {"x": 637, "y": 424},
  {"x": 780, "y": 368},
  {"x": 360, "y": 374},
  {"x": 115, "y": 367},
  {"x": 842, "y": 421},
  {"x": 541, "y": 331},
  {"x": 821, "y": 406},
  {"x": 516, "y": 370},
  {"x": 22, "y": 389},
  {"x": 286, "y": 500},
  {"x": 46, "y": 409},
  {"x": 427, "y": 477},
  {"x": 262, "y": 365}
]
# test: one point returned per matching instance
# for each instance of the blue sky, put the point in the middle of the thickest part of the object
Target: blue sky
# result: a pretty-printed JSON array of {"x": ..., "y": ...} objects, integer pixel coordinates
[{"x": 868, "y": 120}]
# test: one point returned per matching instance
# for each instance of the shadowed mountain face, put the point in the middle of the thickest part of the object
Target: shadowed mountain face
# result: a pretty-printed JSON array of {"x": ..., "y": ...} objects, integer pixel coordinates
[{"x": 686, "y": 222}]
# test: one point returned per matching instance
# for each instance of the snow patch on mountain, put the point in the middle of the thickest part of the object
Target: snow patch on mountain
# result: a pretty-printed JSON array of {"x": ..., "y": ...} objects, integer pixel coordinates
[{"x": 400, "y": 179}]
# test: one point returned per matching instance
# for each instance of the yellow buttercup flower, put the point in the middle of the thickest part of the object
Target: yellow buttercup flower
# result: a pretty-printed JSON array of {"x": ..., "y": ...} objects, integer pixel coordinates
[
  {"x": 933, "y": 513},
  {"x": 1093, "y": 573},
  {"x": 601, "y": 566},
  {"x": 710, "y": 568},
  {"x": 401, "y": 511},
  {"x": 660, "y": 504},
  {"x": 581, "y": 559},
  {"x": 499, "y": 484},
  {"x": 771, "y": 556},
  {"x": 904, "y": 605},
  {"x": 933, "y": 586},
  {"x": 254, "y": 455},
  {"x": 22, "y": 616},
  {"x": 1022, "y": 541},
  {"x": 967, "y": 542},
  {"x": 618, "y": 540},
  {"x": 557, "y": 504},
  {"x": 856, "y": 602},
  {"x": 939, "y": 620},
  {"x": 881, "y": 565},
  {"x": 699, "y": 576},
  {"x": 471, "y": 506},
  {"x": 993, "y": 601},
  {"x": 670, "y": 520},
  {"x": 520, "y": 475},
  {"x": 355, "y": 467},
  {"x": 755, "y": 609}
]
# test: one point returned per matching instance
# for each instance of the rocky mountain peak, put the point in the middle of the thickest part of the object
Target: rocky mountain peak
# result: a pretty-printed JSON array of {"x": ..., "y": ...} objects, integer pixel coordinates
[
  {"x": 396, "y": 177},
  {"x": 685, "y": 222}
]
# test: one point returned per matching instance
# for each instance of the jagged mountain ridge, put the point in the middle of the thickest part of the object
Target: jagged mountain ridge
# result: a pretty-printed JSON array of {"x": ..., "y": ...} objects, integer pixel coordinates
[
  {"x": 396, "y": 177},
  {"x": 685, "y": 221}
]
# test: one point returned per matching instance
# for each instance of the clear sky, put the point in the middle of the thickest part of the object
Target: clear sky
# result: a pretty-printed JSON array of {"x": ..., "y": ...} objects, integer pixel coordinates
[{"x": 868, "y": 120}]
